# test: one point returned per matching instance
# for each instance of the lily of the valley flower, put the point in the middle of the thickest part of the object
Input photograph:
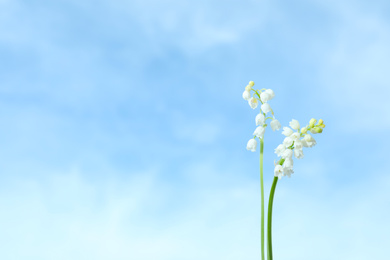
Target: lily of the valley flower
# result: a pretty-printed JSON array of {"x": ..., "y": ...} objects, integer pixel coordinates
[
  {"x": 287, "y": 131},
  {"x": 308, "y": 141},
  {"x": 271, "y": 93},
  {"x": 266, "y": 108},
  {"x": 280, "y": 149},
  {"x": 259, "y": 132},
  {"x": 275, "y": 125},
  {"x": 251, "y": 145},
  {"x": 260, "y": 119},
  {"x": 288, "y": 141},
  {"x": 298, "y": 153},
  {"x": 253, "y": 103},
  {"x": 294, "y": 124},
  {"x": 278, "y": 172},
  {"x": 246, "y": 95}
]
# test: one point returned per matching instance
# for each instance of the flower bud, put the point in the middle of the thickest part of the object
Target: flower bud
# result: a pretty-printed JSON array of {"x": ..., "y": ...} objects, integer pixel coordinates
[
  {"x": 248, "y": 88},
  {"x": 304, "y": 130},
  {"x": 312, "y": 122},
  {"x": 320, "y": 122},
  {"x": 316, "y": 130},
  {"x": 251, "y": 83},
  {"x": 322, "y": 125}
]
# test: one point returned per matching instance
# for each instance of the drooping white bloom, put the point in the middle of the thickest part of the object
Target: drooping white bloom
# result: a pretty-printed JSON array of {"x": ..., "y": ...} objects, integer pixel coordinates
[
  {"x": 288, "y": 171},
  {"x": 266, "y": 108},
  {"x": 265, "y": 96},
  {"x": 259, "y": 132},
  {"x": 288, "y": 162},
  {"x": 309, "y": 141},
  {"x": 294, "y": 124},
  {"x": 271, "y": 93},
  {"x": 253, "y": 102},
  {"x": 246, "y": 95},
  {"x": 278, "y": 172},
  {"x": 287, "y": 142},
  {"x": 295, "y": 136},
  {"x": 280, "y": 149},
  {"x": 287, "y": 154},
  {"x": 275, "y": 124},
  {"x": 298, "y": 153},
  {"x": 251, "y": 145},
  {"x": 260, "y": 119},
  {"x": 298, "y": 144},
  {"x": 287, "y": 131}
]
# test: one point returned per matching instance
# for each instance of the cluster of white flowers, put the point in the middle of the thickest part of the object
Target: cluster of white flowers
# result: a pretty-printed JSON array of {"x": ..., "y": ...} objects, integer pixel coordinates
[
  {"x": 294, "y": 143},
  {"x": 260, "y": 96}
]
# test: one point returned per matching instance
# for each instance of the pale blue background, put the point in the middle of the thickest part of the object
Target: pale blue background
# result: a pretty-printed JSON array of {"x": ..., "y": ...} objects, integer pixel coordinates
[{"x": 123, "y": 129}]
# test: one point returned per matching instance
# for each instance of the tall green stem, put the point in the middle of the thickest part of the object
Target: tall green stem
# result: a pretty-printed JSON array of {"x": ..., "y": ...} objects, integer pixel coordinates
[
  {"x": 269, "y": 220},
  {"x": 262, "y": 198}
]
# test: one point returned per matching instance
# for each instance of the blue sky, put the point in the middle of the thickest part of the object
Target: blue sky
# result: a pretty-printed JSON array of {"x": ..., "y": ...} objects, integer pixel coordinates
[{"x": 123, "y": 129}]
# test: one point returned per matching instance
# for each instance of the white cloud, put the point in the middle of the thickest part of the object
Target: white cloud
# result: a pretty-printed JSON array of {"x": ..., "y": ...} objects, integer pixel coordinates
[{"x": 67, "y": 216}]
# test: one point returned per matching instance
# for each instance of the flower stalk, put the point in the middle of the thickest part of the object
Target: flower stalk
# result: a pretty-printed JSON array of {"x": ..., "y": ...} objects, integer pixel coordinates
[
  {"x": 269, "y": 219},
  {"x": 262, "y": 197}
]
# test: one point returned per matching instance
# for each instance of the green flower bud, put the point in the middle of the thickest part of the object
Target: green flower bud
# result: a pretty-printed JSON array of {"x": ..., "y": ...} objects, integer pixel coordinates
[
  {"x": 251, "y": 83},
  {"x": 316, "y": 130},
  {"x": 312, "y": 122},
  {"x": 304, "y": 130},
  {"x": 320, "y": 122},
  {"x": 322, "y": 125}
]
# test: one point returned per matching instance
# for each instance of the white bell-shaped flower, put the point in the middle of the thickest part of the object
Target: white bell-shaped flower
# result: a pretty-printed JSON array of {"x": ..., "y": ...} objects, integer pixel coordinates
[
  {"x": 253, "y": 103},
  {"x": 278, "y": 172},
  {"x": 271, "y": 93},
  {"x": 287, "y": 131},
  {"x": 275, "y": 125},
  {"x": 287, "y": 171},
  {"x": 259, "y": 132},
  {"x": 308, "y": 141},
  {"x": 260, "y": 119},
  {"x": 251, "y": 145},
  {"x": 287, "y": 154},
  {"x": 298, "y": 153},
  {"x": 246, "y": 95},
  {"x": 266, "y": 108},
  {"x": 287, "y": 142},
  {"x": 280, "y": 149},
  {"x": 264, "y": 96},
  {"x": 294, "y": 124}
]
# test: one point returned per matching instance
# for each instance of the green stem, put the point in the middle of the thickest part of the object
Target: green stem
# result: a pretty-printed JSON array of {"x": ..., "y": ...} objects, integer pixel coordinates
[
  {"x": 269, "y": 220},
  {"x": 262, "y": 198}
]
